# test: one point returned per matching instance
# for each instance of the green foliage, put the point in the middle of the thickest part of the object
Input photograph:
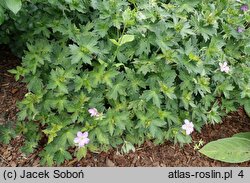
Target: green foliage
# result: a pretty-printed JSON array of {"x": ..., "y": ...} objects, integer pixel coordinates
[
  {"x": 81, "y": 153},
  {"x": 127, "y": 147},
  {"x": 247, "y": 107},
  {"x": 232, "y": 150},
  {"x": 144, "y": 65},
  {"x": 12, "y": 5},
  {"x": 7, "y": 132},
  {"x": 245, "y": 135}
]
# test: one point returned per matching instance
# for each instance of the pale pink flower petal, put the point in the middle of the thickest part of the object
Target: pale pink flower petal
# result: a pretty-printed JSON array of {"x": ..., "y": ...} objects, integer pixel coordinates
[
  {"x": 76, "y": 140},
  {"x": 85, "y": 134},
  {"x": 224, "y": 67},
  {"x": 82, "y": 139},
  {"x": 79, "y": 134},
  {"x": 188, "y": 127},
  {"x": 93, "y": 112},
  {"x": 81, "y": 144},
  {"x": 186, "y": 121},
  {"x": 244, "y": 7},
  {"x": 240, "y": 29}
]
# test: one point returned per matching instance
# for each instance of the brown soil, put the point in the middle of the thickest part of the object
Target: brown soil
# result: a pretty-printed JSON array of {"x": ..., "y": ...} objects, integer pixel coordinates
[{"x": 148, "y": 155}]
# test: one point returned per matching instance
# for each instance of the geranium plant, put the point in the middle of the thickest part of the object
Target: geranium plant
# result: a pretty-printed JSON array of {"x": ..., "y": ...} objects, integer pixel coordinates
[{"x": 126, "y": 70}]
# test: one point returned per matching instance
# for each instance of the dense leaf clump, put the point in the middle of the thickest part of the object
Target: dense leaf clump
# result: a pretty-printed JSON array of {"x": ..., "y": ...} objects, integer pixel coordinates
[{"x": 144, "y": 65}]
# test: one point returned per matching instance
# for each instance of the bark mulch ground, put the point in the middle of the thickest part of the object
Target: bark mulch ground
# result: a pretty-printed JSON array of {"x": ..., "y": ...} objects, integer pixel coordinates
[{"x": 148, "y": 155}]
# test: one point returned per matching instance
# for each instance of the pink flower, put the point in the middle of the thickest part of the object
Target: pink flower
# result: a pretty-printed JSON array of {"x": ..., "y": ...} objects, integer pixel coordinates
[
  {"x": 93, "y": 112},
  {"x": 240, "y": 30},
  {"x": 244, "y": 7},
  {"x": 188, "y": 126},
  {"x": 82, "y": 139},
  {"x": 224, "y": 67}
]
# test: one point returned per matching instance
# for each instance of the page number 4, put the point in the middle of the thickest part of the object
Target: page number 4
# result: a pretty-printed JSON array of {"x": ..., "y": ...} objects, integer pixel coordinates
[{"x": 241, "y": 174}]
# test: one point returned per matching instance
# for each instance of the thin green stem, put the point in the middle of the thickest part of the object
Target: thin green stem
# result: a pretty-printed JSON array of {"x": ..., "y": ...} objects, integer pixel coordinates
[{"x": 119, "y": 42}]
